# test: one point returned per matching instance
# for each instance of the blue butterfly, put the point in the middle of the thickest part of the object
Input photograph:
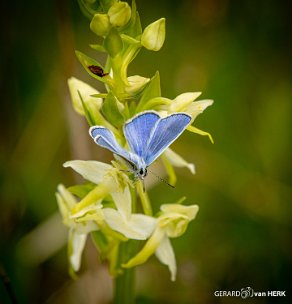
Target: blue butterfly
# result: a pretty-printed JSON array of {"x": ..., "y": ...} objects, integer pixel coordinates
[{"x": 148, "y": 136}]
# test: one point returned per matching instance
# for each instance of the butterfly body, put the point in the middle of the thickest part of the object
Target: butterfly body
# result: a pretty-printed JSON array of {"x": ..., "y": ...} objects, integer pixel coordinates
[
  {"x": 148, "y": 136},
  {"x": 136, "y": 165}
]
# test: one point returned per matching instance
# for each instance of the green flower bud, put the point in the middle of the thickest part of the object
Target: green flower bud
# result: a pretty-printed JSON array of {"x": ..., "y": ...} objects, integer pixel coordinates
[
  {"x": 136, "y": 84},
  {"x": 154, "y": 35},
  {"x": 119, "y": 13},
  {"x": 113, "y": 42},
  {"x": 175, "y": 218},
  {"x": 77, "y": 87},
  {"x": 100, "y": 24}
]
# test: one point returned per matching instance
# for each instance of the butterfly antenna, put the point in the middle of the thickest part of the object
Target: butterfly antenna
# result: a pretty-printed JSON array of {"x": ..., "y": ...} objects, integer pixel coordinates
[{"x": 161, "y": 179}]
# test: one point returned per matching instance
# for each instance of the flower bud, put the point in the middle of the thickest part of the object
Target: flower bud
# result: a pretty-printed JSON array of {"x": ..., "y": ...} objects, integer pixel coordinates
[
  {"x": 136, "y": 84},
  {"x": 154, "y": 35},
  {"x": 119, "y": 13},
  {"x": 100, "y": 24},
  {"x": 176, "y": 217},
  {"x": 77, "y": 87}
]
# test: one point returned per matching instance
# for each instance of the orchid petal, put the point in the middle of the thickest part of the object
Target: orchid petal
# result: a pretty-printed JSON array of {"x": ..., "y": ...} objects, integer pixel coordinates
[
  {"x": 138, "y": 227},
  {"x": 148, "y": 249},
  {"x": 200, "y": 132},
  {"x": 76, "y": 247},
  {"x": 165, "y": 255},
  {"x": 183, "y": 100},
  {"x": 68, "y": 199},
  {"x": 93, "y": 171},
  {"x": 175, "y": 218},
  {"x": 198, "y": 107},
  {"x": 178, "y": 161},
  {"x": 123, "y": 201},
  {"x": 189, "y": 211},
  {"x": 90, "y": 209},
  {"x": 86, "y": 226},
  {"x": 142, "y": 224},
  {"x": 92, "y": 198}
]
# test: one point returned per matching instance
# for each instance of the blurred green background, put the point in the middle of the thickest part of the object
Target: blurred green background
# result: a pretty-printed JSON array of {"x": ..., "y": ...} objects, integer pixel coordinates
[{"x": 237, "y": 53}]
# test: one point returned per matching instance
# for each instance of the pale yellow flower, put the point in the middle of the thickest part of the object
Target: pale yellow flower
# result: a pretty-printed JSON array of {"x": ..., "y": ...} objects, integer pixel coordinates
[
  {"x": 79, "y": 88},
  {"x": 113, "y": 182},
  {"x": 171, "y": 223},
  {"x": 77, "y": 231}
]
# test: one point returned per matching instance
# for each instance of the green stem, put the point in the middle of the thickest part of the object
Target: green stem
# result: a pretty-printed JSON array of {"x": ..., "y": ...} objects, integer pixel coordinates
[
  {"x": 146, "y": 205},
  {"x": 124, "y": 288},
  {"x": 124, "y": 284}
]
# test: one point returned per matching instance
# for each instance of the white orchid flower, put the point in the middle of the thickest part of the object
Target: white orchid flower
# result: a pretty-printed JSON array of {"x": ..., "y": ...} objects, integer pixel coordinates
[
  {"x": 79, "y": 88},
  {"x": 131, "y": 225},
  {"x": 113, "y": 182},
  {"x": 77, "y": 231},
  {"x": 171, "y": 223}
]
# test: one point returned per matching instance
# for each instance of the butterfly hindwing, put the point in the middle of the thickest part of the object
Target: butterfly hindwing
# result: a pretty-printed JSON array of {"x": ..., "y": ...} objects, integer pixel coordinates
[
  {"x": 137, "y": 131},
  {"x": 166, "y": 131}
]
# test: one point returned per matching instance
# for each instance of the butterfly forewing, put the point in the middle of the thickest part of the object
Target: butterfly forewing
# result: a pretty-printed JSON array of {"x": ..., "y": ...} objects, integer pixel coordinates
[
  {"x": 137, "y": 131},
  {"x": 164, "y": 134},
  {"x": 106, "y": 139}
]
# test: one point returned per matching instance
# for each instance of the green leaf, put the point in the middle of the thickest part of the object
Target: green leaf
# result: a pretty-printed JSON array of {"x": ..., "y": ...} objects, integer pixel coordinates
[
  {"x": 81, "y": 190},
  {"x": 87, "y": 113},
  {"x": 129, "y": 39},
  {"x": 155, "y": 103},
  {"x": 101, "y": 95},
  {"x": 88, "y": 62},
  {"x": 98, "y": 47},
  {"x": 113, "y": 43},
  {"x": 111, "y": 111},
  {"x": 96, "y": 118},
  {"x": 152, "y": 90}
]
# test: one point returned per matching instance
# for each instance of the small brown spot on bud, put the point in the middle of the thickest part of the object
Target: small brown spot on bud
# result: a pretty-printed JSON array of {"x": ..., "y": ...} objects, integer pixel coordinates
[{"x": 97, "y": 70}]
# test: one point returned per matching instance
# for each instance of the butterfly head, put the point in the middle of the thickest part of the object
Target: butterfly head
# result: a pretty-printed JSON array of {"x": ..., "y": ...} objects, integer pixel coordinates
[
  {"x": 141, "y": 172},
  {"x": 139, "y": 166}
]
